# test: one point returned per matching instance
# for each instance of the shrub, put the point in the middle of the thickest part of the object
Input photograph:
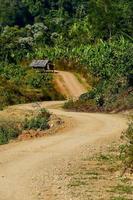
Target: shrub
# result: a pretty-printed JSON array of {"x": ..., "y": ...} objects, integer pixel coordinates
[
  {"x": 38, "y": 122},
  {"x": 8, "y": 132},
  {"x": 82, "y": 105},
  {"x": 127, "y": 148}
]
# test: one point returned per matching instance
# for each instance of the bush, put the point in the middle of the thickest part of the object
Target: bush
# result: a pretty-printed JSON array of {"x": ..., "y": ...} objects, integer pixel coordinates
[
  {"x": 8, "y": 132},
  {"x": 127, "y": 148},
  {"x": 82, "y": 105},
  {"x": 38, "y": 122}
]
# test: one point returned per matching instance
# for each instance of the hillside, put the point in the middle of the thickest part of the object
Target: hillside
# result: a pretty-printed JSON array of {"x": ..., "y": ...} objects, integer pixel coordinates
[{"x": 93, "y": 38}]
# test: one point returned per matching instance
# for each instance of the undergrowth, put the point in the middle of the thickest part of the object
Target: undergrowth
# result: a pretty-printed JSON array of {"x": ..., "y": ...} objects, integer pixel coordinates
[
  {"x": 38, "y": 122},
  {"x": 10, "y": 130},
  {"x": 127, "y": 148}
]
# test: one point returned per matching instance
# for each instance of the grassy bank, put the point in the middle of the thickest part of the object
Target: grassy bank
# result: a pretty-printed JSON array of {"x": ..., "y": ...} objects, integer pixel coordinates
[
  {"x": 12, "y": 128},
  {"x": 98, "y": 176}
]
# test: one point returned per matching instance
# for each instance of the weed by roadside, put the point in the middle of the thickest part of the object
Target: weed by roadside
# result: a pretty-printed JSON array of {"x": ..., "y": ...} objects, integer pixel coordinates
[
  {"x": 119, "y": 198},
  {"x": 123, "y": 189},
  {"x": 38, "y": 122},
  {"x": 127, "y": 148},
  {"x": 99, "y": 177},
  {"x": 10, "y": 130}
]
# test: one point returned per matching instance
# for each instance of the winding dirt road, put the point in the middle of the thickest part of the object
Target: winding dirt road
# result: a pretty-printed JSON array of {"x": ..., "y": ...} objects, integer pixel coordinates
[
  {"x": 68, "y": 84},
  {"x": 36, "y": 169}
]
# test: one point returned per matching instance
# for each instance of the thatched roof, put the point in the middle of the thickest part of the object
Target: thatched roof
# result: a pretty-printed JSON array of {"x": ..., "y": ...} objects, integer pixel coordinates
[{"x": 39, "y": 63}]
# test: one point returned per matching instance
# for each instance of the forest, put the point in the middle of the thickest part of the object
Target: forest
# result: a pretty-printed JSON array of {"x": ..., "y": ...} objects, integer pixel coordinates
[{"x": 92, "y": 37}]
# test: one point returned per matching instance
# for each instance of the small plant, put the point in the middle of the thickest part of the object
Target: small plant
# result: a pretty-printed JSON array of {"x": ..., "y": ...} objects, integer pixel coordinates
[
  {"x": 111, "y": 158},
  {"x": 38, "y": 122},
  {"x": 123, "y": 189},
  {"x": 77, "y": 183}
]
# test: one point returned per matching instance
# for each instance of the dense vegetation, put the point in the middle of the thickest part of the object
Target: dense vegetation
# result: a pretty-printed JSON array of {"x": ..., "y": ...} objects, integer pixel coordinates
[
  {"x": 93, "y": 37},
  {"x": 110, "y": 62},
  {"x": 19, "y": 83}
]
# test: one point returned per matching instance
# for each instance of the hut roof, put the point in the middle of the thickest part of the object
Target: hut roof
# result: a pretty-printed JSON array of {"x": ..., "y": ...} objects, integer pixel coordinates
[{"x": 39, "y": 63}]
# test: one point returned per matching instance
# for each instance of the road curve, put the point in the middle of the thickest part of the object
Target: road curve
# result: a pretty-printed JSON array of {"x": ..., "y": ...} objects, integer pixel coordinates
[{"x": 32, "y": 170}]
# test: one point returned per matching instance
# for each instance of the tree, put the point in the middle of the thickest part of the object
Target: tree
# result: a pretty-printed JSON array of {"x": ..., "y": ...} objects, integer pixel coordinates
[{"x": 14, "y": 13}]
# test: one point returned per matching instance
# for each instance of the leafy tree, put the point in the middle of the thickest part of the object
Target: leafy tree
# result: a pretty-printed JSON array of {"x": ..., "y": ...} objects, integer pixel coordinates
[
  {"x": 14, "y": 13},
  {"x": 14, "y": 44}
]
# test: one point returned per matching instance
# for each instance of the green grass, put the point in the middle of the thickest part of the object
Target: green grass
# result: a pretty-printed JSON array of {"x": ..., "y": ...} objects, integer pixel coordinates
[
  {"x": 110, "y": 158},
  {"x": 77, "y": 183},
  {"x": 119, "y": 198},
  {"x": 123, "y": 189},
  {"x": 91, "y": 173}
]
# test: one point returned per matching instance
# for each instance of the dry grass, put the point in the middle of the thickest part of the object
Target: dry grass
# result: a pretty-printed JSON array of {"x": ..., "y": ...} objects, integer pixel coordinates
[{"x": 98, "y": 177}]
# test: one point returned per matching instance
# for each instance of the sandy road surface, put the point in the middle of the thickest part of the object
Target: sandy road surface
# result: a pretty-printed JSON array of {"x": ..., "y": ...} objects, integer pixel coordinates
[
  {"x": 69, "y": 85},
  {"x": 35, "y": 169}
]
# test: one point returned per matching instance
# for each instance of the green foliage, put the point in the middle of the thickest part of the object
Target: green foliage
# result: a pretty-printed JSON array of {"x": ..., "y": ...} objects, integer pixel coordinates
[
  {"x": 38, "y": 122},
  {"x": 14, "y": 45},
  {"x": 110, "y": 62},
  {"x": 90, "y": 37},
  {"x": 20, "y": 84},
  {"x": 121, "y": 189},
  {"x": 113, "y": 65},
  {"x": 14, "y": 13},
  {"x": 95, "y": 19},
  {"x": 127, "y": 148},
  {"x": 37, "y": 80},
  {"x": 8, "y": 131},
  {"x": 82, "y": 106}
]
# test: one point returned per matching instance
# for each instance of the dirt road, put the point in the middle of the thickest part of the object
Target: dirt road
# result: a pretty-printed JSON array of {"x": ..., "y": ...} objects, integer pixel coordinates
[
  {"x": 36, "y": 169},
  {"x": 68, "y": 84}
]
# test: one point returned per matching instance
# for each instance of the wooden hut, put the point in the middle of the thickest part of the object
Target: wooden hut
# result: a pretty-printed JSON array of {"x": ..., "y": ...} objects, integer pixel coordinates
[{"x": 42, "y": 65}]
